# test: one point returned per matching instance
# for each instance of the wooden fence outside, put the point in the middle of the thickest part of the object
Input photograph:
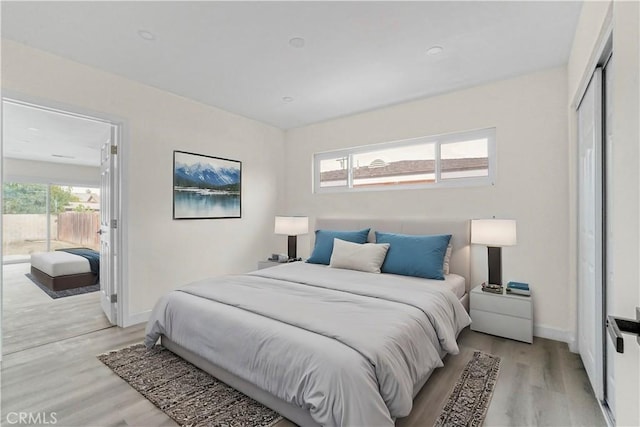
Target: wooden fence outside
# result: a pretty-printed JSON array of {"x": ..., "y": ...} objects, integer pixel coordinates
[{"x": 80, "y": 228}]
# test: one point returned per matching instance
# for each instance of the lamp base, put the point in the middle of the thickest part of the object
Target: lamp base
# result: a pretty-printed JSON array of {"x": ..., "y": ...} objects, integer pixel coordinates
[
  {"x": 494, "y": 255},
  {"x": 292, "y": 247}
]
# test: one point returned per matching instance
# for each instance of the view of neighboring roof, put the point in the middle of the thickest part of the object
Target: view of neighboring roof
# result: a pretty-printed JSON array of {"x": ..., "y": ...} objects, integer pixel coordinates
[{"x": 379, "y": 168}]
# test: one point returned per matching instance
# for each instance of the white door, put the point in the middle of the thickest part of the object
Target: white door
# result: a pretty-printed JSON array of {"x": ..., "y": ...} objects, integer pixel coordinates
[
  {"x": 108, "y": 225},
  {"x": 590, "y": 261}
]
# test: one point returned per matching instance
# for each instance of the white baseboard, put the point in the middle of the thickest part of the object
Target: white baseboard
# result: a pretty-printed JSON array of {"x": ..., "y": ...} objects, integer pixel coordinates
[
  {"x": 134, "y": 319},
  {"x": 556, "y": 335}
]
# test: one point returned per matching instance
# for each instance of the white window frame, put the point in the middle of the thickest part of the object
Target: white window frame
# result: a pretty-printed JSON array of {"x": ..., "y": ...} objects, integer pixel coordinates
[{"x": 438, "y": 140}]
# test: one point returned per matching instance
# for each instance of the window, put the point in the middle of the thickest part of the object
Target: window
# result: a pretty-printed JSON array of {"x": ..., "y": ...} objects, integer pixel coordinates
[
  {"x": 42, "y": 217},
  {"x": 461, "y": 159}
]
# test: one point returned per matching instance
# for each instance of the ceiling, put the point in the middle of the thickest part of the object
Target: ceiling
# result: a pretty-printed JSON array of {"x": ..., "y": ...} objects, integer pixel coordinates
[
  {"x": 36, "y": 134},
  {"x": 356, "y": 56}
]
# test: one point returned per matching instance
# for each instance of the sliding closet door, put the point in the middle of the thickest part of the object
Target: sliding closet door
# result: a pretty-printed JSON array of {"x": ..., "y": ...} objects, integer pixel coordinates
[
  {"x": 610, "y": 351},
  {"x": 590, "y": 221}
]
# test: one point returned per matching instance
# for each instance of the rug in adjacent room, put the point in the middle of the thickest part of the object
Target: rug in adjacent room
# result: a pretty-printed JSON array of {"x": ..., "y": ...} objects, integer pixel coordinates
[
  {"x": 190, "y": 396},
  {"x": 468, "y": 403},
  {"x": 65, "y": 292}
]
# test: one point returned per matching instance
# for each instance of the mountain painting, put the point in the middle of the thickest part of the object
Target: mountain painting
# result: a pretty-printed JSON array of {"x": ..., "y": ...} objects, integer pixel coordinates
[{"x": 205, "y": 186}]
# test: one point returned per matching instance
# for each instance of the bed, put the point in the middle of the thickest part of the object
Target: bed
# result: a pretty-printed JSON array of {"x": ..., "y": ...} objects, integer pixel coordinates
[
  {"x": 321, "y": 345},
  {"x": 66, "y": 269}
]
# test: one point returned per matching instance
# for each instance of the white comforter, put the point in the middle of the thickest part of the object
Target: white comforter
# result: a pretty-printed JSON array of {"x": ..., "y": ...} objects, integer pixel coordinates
[{"x": 348, "y": 346}]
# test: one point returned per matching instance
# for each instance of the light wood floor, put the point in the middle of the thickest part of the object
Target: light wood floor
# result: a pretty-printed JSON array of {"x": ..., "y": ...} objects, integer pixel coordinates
[
  {"x": 538, "y": 384},
  {"x": 30, "y": 318}
]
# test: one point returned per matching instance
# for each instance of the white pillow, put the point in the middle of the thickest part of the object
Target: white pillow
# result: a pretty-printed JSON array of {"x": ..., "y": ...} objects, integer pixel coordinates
[
  {"x": 366, "y": 257},
  {"x": 447, "y": 258}
]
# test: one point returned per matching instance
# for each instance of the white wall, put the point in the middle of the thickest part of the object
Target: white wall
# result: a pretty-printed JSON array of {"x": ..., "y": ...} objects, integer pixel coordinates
[
  {"x": 624, "y": 217},
  {"x": 18, "y": 170},
  {"x": 590, "y": 31},
  {"x": 529, "y": 114},
  {"x": 163, "y": 253}
]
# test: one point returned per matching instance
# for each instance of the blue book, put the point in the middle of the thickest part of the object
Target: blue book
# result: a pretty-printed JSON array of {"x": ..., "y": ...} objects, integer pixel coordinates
[{"x": 518, "y": 285}]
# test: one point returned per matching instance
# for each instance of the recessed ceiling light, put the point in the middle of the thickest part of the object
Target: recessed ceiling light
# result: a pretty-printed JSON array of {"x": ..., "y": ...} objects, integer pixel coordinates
[
  {"x": 297, "y": 42},
  {"x": 146, "y": 35},
  {"x": 287, "y": 99},
  {"x": 435, "y": 50}
]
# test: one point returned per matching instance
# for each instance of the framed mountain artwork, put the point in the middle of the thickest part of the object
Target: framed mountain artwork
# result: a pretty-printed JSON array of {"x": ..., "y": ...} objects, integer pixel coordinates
[{"x": 206, "y": 187}]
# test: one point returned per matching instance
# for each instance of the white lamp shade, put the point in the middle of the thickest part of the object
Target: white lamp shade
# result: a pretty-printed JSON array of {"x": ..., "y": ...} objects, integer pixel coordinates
[
  {"x": 493, "y": 232},
  {"x": 291, "y": 225}
]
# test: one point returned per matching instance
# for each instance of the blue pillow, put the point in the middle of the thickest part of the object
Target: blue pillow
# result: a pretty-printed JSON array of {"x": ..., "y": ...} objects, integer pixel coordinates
[
  {"x": 419, "y": 256},
  {"x": 324, "y": 243}
]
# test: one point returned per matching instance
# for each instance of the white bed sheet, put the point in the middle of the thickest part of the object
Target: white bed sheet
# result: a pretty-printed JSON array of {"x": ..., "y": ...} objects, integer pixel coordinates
[
  {"x": 60, "y": 263},
  {"x": 455, "y": 284}
]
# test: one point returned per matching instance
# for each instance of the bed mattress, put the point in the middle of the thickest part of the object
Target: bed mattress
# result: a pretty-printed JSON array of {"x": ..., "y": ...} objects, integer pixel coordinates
[
  {"x": 455, "y": 284},
  {"x": 59, "y": 263}
]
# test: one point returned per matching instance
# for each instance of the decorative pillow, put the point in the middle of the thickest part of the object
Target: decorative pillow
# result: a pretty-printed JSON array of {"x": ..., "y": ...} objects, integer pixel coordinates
[
  {"x": 447, "y": 259},
  {"x": 324, "y": 243},
  {"x": 419, "y": 256},
  {"x": 358, "y": 256}
]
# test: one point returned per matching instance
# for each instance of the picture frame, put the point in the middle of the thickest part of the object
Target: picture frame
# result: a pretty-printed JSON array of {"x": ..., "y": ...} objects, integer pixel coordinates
[{"x": 206, "y": 187}]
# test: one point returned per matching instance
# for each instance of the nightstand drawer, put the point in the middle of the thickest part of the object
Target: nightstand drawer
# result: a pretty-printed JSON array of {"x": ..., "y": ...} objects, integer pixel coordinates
[
  {"x": 504, "y": 326},
  {"x": 503, "y": 304}
]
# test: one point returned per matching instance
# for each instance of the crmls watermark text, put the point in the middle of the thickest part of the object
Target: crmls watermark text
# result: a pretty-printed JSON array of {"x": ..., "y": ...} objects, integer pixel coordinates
[{"x": 42, "y": 418}]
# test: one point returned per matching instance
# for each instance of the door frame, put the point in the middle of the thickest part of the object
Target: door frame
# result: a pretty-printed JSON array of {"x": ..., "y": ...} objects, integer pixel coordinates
[{"x": 122, "y": 271}]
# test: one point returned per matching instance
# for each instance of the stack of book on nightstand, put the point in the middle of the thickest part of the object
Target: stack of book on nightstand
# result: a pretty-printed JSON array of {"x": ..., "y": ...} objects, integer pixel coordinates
[
  {"x": 518, "y": 288},
  {"x": 494, "y": 289}
]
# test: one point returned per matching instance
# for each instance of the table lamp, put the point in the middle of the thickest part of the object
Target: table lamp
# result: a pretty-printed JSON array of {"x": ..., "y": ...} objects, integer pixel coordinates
[
  {"x": 292, "y": 226},
  {"x": 494, "y": 233}
]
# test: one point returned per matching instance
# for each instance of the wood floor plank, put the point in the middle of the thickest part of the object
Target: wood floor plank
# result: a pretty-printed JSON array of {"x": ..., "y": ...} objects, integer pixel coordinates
[{"x": 536, "y": 385}]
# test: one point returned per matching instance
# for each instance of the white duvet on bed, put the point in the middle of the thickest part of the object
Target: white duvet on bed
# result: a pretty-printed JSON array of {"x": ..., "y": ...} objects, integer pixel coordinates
[{"x": 348, "y": 346}]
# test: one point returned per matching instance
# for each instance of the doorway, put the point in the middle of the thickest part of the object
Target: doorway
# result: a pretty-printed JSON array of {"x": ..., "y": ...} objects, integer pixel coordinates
[{"x": 54, "y": 210}]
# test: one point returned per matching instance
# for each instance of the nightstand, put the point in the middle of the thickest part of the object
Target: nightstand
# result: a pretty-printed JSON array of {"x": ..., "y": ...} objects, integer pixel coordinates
[
  {"x": 267, "y": 264},
  {"x": 504, "y": 315}
]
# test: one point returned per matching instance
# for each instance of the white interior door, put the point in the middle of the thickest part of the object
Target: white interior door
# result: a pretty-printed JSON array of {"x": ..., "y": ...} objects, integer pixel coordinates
[
  {"x": 590, "y": 219},
  {"x": 108, "y": 226}
]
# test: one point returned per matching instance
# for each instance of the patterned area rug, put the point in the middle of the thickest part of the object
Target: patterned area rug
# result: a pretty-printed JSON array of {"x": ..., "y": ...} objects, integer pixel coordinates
[
  {"x": 468, "y": 402},
  {"x": 65, "y": 292},
  {"x": 188, "y": 395}
]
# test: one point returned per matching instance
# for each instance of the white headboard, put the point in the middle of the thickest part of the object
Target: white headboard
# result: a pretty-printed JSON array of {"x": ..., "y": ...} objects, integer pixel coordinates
[{"x": 459, "y": 230}]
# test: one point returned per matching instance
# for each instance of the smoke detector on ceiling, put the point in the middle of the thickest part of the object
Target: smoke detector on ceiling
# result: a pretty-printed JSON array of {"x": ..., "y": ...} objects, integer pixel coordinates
[
  {"x": 146, "y": 35},
  {"x": 297, "y": 42},
  {"x": 434, "y": 50}
]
